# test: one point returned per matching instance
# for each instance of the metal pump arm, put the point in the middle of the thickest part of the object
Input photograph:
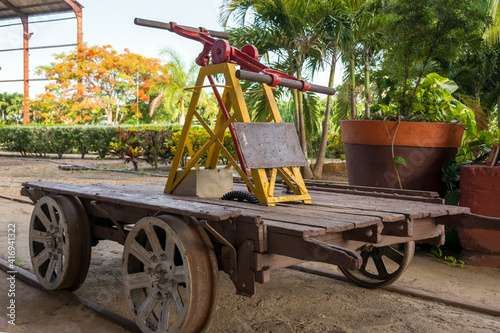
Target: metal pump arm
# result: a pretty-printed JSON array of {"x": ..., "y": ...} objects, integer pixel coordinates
[{"x": 246, "y": 58}]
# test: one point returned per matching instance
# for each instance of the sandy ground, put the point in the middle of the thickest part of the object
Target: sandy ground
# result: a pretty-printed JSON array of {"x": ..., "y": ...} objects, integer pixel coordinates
[{"x": 292, "y": 302}]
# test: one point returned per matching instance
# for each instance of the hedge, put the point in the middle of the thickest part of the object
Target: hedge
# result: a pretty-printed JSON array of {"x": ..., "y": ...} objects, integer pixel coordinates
[
  {"x": 40, "y": 141},
  {"x": 155, "y": 144},
  {"x": 152, "y": 143}
]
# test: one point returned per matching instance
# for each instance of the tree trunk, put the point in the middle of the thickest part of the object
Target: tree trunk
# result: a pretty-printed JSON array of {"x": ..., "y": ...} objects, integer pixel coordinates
[
  {"x": 320, "y": 161},
  {"x": 296, "y": 109},
  {"x": 306, "y": 171},
  {"x": 109, "y": 116},
  {"x": 116, "y": 114},
  {"x": 353, "y": 84},
  {"x": 368, "y": 97}
]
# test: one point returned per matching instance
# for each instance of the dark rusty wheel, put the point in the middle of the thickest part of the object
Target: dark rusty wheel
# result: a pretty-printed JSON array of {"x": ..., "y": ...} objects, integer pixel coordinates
[
  {"x": 170, "y": 275},
  {"x": 60, "y": 242},
  {"x": 381, "y": 265}
]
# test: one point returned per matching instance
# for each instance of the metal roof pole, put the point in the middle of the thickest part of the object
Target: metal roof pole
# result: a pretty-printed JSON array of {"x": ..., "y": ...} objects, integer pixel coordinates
[
  {"x": 26, "y": 37},
  {"x": 77, "y": 8}
]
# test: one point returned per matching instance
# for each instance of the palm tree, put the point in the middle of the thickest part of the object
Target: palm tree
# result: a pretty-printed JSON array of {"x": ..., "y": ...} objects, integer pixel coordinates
[
  {"x": 365, "y": 21},
  {"x": 10, "y": 104},
  {"x": 336, "y": 26},
  {"x": 492, "y": 34},
  {"x": 283, "y": 28},
  {"x": 174, "y": 93}
]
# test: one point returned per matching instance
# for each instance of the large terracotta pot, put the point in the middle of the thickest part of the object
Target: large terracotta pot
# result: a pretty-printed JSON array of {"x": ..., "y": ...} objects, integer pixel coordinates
[
  {"x": 424, "y": 146},
  {"x": 480, "y": 190}
]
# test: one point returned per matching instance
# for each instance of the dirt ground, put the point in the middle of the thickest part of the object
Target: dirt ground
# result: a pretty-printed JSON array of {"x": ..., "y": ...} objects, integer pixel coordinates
[{"x": 292, "y": 302}]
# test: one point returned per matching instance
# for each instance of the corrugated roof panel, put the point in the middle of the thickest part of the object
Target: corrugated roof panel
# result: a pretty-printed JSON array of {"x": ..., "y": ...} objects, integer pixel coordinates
[{"x": 33, "y": 7}]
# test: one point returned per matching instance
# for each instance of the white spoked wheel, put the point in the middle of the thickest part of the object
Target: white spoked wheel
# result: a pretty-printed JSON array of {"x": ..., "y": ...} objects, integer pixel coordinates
[
  {"x": 60, "y": 242},
  {"x": 381, "y": 265},
  {"x": 170, "y": 275}
]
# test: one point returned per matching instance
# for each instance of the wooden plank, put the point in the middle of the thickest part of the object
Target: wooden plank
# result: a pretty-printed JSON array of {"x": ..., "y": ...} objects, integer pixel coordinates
[
  {"x": 361, "y": 218},
  {"x": 411, "y": 209},
  {"x": 299, "y": 216},
  {"x": 330, "y": 200},
  {"x": 471, "y": 221},
  {"x": 384, "y": 216},
  {"x": 155, "y": 201},
  {"x": 423, "y": 194},
  {"x": 247, "y": 210},
  {"x": 376, "y": 194},
  {"x": 279, "y": 227},
  {"x": 311, "y": 249}
]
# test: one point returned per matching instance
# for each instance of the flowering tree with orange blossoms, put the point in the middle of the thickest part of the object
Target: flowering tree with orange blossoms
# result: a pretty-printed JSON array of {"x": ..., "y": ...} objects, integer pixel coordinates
[{"x": 93, "y": 79}]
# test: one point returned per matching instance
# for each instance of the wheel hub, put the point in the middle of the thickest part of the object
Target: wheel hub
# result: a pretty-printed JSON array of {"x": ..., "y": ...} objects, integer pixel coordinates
[
  {"x": 53, "y": 242},
  {"x": 161, "y": 278},
  {"x": 49, "y": 242}
]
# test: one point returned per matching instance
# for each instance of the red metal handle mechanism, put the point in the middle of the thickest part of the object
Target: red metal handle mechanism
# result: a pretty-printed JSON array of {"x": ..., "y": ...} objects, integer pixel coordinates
[
  {"x": 270, "y": 79},
  {"x": 167, "y": 26},
  {"x": 221, "y": 51}
]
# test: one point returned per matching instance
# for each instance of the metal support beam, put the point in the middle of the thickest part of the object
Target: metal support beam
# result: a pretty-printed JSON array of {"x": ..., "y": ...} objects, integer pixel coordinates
[
  {"x": 35, "y": 22},
  {"x": 77, "y": 8},
  {"x": 26, "y": 37},
  {"x": 39, "y": 47}
]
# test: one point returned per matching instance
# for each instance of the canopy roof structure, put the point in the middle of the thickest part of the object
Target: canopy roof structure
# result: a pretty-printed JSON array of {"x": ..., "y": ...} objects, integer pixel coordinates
[
  {"x": 9, "y": 9},
  {"x": 23, "y": 9}
]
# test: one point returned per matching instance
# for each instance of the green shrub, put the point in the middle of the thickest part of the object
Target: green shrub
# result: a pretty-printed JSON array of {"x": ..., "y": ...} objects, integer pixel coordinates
[
  {"x": 335, "y": 147},
  {"x": 43, "y": 140},
  {"x": 16, "y": 138},
  {"x": 151, "y": 143},
  {"x": 39, "y": 140},
  {"x": 99, "y": 138},
  {"x": 60, "y": 140}
]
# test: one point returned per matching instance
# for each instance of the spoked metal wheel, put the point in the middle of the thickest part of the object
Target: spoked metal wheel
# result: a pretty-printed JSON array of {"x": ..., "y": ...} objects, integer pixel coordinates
[
  {"x": 381, "y": 265},
  {"x": 170, "y": 275},
  {"x": 60, "y": 242}
]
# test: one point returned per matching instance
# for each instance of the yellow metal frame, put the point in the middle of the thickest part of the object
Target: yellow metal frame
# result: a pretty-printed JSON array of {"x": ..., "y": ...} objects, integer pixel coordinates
[{"x": 262, "y": 186}]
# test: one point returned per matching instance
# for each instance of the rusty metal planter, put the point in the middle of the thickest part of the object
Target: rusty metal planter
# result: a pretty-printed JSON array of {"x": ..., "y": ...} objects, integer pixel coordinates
[{"x": 480, "y": 190}]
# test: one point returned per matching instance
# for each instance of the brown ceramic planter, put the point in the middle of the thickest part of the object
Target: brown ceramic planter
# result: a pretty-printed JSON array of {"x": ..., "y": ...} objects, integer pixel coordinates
[
  {"x": 424, "y": 146},
  {"x": 480, "y": 190}
]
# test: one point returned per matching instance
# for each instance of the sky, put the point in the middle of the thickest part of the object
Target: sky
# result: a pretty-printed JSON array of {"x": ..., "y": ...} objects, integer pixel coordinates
[{"x": 110, "y": 22}]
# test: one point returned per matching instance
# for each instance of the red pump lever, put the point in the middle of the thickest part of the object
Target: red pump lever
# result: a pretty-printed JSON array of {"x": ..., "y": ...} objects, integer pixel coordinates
[{"x": 222, "y": 51}]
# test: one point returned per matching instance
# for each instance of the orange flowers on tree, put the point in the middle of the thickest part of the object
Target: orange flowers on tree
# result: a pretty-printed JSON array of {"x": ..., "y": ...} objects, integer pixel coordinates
[{"x": 94, "y": 81}]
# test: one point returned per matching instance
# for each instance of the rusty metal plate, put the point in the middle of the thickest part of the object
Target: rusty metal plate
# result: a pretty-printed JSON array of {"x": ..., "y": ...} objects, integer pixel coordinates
[{"x": 269, "y": 145}]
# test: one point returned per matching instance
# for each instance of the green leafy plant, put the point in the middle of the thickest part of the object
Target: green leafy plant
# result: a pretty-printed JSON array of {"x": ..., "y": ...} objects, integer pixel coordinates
[
  {"x": 155, "y": 146},
  {"x": 335, "y": 147},
  {"x": 477, "y": 146},
  {"x": 100, "y": 138},
  {"x": 450, "y": 175},
  {"x": 424, "y": 36},
  {"x": 434, "y": 102},
  {"x": 128, "y": 146},
  {"x": 60, "y": 140},
  {"x": 437, "y": 253}
]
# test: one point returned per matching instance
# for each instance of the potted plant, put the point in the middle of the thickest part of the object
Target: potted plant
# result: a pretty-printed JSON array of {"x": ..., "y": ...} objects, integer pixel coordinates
[
  {"x": 400, "y": 152},
  {"x": 416, "y": 128}
]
